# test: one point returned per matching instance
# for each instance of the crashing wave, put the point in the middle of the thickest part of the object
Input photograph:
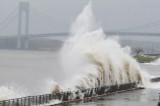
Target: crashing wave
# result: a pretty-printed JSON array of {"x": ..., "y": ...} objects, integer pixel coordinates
[{"x": 93, "y": 59}]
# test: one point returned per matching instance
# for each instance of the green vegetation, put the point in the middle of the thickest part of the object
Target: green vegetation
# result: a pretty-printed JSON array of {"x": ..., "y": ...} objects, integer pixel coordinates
[{"x": 145, "y": 58}]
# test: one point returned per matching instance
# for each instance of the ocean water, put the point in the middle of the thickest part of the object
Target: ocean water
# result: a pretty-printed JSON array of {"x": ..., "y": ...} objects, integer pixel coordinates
[
  {"x": 33, "y": 72},
  {"x": 30, "y": 72}
]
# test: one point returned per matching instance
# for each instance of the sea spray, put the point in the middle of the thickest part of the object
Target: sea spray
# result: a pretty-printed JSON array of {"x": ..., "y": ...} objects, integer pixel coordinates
[
  {"x": 10, "y": 92},
  {"x": 156, "y": 62},
  {"x": 92, "y": 59},
  {"x": 52, "y": 86}
]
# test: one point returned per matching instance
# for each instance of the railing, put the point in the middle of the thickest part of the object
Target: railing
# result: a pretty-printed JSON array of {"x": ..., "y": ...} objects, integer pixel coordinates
[
  {"x": 159, "y": 101},
  {"x": 27, "y": 101},
  {"x": 66, "y": 96}
]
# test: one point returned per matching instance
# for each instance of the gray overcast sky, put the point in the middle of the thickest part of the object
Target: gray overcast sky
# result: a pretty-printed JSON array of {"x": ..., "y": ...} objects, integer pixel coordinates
[{"x": 113, "y": 14}]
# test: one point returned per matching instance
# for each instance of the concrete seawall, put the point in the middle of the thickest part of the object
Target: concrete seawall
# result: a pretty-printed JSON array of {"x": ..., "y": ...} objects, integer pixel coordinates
[{"x": 69, "y": 96}]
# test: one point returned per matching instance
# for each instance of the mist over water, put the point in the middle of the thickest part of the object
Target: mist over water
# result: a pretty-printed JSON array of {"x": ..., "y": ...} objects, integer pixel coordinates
[{"x": 90, "y": 59}]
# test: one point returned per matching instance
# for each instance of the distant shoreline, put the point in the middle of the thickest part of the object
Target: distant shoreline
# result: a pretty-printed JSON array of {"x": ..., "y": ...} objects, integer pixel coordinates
[{"x": 146, "y": 58}]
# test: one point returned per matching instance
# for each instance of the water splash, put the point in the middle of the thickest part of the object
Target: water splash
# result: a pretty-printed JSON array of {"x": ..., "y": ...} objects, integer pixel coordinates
[
  {"x": 157, "y": 62},
  {"x": 93, "y": 59},
  {"x": 155, "y": 85},
  {"x": 10, "y": 92}
]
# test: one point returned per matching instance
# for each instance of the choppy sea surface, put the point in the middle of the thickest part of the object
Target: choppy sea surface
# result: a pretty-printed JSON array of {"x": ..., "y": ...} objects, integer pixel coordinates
[{"x": 33, "y": 72}]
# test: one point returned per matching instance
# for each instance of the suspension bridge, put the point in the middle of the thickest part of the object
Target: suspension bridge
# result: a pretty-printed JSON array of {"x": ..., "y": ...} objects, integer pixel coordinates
[{"x": 23, "y": 14}]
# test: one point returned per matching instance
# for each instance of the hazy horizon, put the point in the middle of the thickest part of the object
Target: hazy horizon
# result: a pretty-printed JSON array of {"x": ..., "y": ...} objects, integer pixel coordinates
[{"x": 111, "y": 14}]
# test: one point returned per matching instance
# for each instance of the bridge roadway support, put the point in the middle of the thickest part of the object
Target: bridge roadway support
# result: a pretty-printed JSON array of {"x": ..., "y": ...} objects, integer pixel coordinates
[
  {"x": 22, "y": 43},
  {"x": 23, "y": 10},
  {"x": 26, "y": 43},
  {"x": 19, "y": 42}
]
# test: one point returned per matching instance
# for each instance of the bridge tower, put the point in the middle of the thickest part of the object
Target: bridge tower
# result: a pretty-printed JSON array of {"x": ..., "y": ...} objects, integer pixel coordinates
[{"x": 23, "y": 27}]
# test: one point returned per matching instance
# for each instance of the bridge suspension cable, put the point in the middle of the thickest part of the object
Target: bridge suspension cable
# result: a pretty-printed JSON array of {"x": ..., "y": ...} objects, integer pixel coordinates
[
  {"x": 7, "y": 23},
  {"x": 141, "y": 27},
  {"x": 45, "y": 16},
  {"x": 9, "y": 16}
]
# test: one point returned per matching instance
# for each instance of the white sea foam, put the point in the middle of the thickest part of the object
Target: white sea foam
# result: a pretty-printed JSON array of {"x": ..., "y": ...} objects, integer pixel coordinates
[
  {"x": 10, "y": 92},
  {"x": 52, "y": 102},
  {"x": 155, "y": 85},
  {"x": 157, "y": 62}
]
